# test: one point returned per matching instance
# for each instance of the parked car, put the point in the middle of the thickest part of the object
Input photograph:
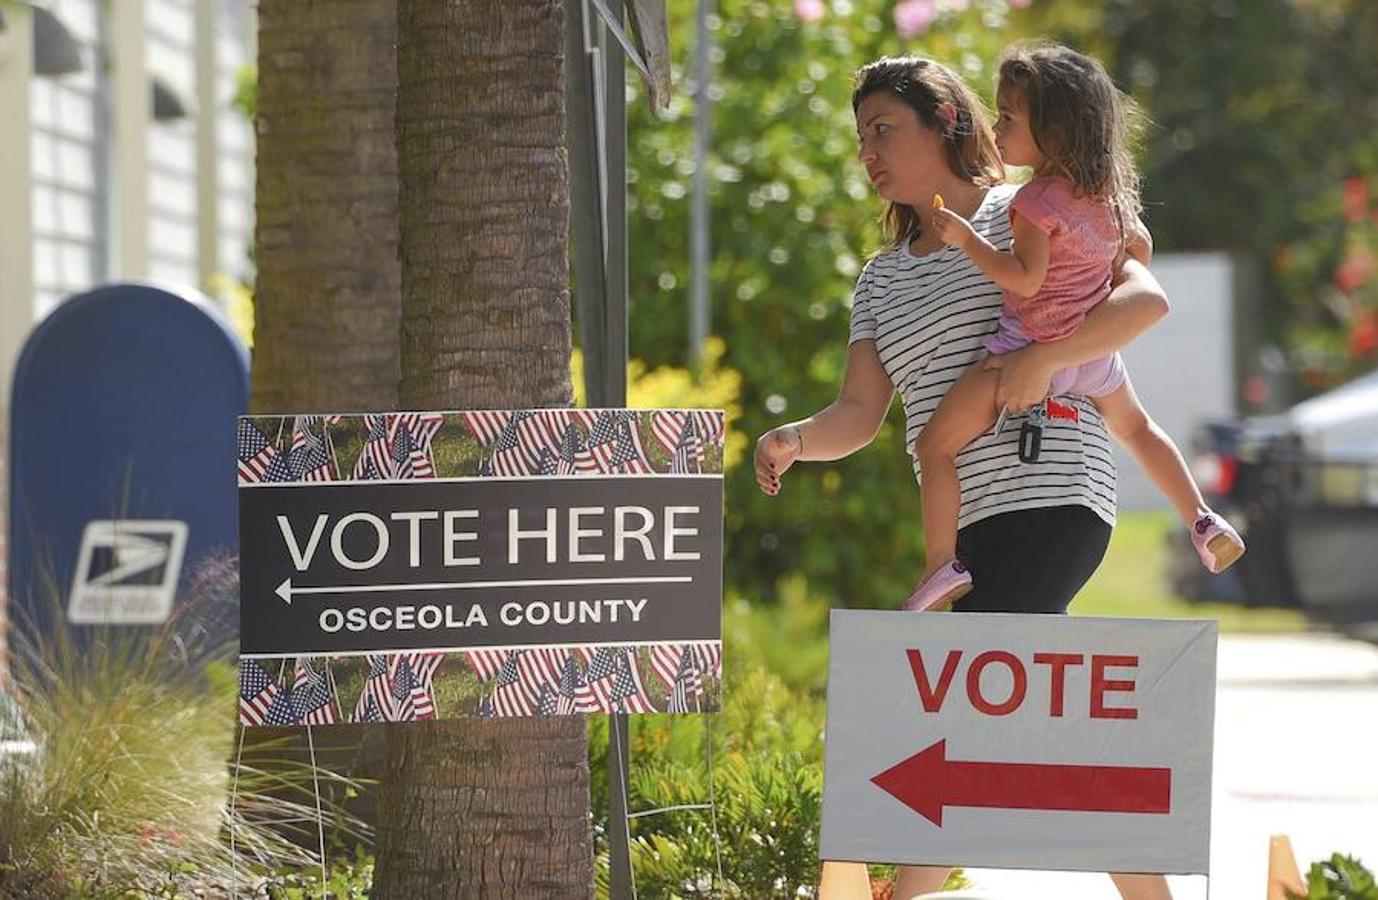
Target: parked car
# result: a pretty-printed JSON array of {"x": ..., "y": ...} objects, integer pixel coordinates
[{"x": 1302, "y": 487}]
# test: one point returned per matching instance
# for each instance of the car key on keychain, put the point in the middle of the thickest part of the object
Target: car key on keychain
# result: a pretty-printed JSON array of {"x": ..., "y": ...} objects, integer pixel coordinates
[{"x": 1031, "y": 433}]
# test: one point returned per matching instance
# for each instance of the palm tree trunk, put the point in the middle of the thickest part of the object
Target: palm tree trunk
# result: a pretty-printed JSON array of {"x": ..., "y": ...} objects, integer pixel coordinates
[
  {"x": 328, "y": 297},
  {"x": 484, "y": 808},
  {"x": 485, "y": 211},
  {"x": 328, "y": 292}
]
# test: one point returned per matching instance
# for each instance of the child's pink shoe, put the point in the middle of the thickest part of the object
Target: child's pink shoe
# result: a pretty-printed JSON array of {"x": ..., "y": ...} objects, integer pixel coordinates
[
  {"x": 940, "y": 590},
  {"x": 1217, "y": 543}
]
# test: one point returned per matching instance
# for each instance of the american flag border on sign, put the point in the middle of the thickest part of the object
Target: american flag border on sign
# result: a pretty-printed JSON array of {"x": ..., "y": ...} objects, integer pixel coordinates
[
  {"x": 512, "y": 443},
  {"x": 511, "y": 681},
  {"x": 403, "y": 686}
]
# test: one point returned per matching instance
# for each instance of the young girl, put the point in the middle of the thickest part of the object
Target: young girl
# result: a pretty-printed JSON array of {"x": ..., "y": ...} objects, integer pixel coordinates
[{"x": 1059, "y": 114}]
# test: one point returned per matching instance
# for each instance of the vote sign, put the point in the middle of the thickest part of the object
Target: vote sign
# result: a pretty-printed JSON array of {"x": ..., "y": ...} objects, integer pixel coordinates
[
  {"x": 1019, "y": 741},
  {"x": 405, "y": 566}
]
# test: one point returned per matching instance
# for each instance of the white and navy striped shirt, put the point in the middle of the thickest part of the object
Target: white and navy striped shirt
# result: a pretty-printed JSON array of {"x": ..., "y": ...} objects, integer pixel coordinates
[{"x": 929, "y": 317}]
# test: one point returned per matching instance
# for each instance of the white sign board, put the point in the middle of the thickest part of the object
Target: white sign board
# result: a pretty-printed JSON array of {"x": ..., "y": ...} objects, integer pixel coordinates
[
  {"x": 1019, "y": 741},
  {"x": 127, "y": 572}
]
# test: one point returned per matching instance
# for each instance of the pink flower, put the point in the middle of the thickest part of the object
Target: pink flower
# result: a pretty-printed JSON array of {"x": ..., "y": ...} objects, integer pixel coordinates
[
  {"x": 1019, "y": 4},
  {"x": 1363, "y": 340},
  {"x": 1355, "y": 199},
  {"x": 809, "y": 11},
  {"x": 912, "y": 17},
  {"x": 1354, "y": 271}
]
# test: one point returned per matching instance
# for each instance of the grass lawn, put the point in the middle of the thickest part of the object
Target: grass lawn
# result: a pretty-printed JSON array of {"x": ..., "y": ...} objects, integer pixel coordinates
[{"x": 1133, "y": 582}]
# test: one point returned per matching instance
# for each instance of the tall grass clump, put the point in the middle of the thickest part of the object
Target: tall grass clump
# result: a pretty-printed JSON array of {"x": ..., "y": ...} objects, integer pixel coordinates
[{"x": 124, "y": 787}]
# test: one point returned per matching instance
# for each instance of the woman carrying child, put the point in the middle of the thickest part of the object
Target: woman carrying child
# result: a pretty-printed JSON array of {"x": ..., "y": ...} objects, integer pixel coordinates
[{"x": 1031, "y": 534}]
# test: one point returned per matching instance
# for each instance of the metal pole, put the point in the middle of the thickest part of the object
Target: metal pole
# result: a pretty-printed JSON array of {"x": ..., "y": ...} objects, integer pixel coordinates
[
  {"x": 586, "y": 195},
  {"x": 207, "y": 146},
  {"x": 698, "y": 235},
  {"x": 614, "y": 384},
  {"x": 615, "y": 194},
  {"x": 597, "y": 122}
]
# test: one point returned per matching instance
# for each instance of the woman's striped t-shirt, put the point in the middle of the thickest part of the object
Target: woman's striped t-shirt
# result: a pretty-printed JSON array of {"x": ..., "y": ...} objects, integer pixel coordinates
[{"x": 929, "y": 317}]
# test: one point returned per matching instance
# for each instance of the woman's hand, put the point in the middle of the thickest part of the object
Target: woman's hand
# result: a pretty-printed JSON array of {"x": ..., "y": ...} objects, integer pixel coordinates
[
  {"x": 1025, "y": 376},
  {"x": 776, "y": 451}
]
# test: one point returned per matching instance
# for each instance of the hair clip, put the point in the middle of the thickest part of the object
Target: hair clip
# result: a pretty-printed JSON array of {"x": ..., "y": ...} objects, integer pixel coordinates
[{"x": 947, "y": 112}]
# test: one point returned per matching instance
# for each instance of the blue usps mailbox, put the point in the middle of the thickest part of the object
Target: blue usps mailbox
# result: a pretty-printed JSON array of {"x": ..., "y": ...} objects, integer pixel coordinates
[{"x": 122, "y": 455}]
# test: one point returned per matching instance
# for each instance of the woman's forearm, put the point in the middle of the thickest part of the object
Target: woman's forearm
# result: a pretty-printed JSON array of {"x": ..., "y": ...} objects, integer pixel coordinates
[
  {"x": 851, "y": 421},
  {"x": 839, "y": 429},
  {"x": 1135, "y": 303}
]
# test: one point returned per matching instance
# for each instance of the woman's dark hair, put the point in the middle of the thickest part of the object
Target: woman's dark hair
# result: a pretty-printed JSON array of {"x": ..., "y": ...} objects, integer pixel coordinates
[
  {"x": 1081, "y": 122},
  {"x": 926, "y": 86}
]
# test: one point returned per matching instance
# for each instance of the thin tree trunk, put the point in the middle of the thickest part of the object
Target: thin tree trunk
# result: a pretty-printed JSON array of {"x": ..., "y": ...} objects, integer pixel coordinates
[
  {"x": 328, "y": 296},
  {"x": 484, "y": 808}
]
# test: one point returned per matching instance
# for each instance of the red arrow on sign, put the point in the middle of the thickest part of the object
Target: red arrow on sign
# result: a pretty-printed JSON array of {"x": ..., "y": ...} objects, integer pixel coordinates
[{"x": 928, "y": 781}]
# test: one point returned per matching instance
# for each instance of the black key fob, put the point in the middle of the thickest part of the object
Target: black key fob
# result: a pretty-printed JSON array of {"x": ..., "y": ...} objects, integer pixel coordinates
[{"x": 1030, "y": 438}]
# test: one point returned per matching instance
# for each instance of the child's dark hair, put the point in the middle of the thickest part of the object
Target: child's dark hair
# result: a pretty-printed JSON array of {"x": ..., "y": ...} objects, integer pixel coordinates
[{"x": 1084, "y": 125}]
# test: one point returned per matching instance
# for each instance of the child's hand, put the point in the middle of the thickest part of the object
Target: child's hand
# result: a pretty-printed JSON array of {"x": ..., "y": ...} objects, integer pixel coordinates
[{"x": 952, "y": 228}]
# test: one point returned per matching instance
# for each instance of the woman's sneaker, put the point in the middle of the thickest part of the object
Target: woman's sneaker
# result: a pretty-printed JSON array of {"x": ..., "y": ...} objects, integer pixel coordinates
[
  {"x": 1218, "y": 544},
  {"x": 940, "y": 590}
]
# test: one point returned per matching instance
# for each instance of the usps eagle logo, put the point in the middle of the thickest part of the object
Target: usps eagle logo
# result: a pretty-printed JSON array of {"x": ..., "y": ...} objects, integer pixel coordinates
[{"x": 127, "y": 572}]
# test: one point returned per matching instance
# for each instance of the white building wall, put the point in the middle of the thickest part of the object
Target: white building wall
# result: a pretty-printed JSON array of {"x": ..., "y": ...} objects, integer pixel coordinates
[
  {"x": 170, "y": 35},
  {"x": 75, "y": 188},
  {"x": 70, "y": 185},
  {"x": 1183, "y": 367}
]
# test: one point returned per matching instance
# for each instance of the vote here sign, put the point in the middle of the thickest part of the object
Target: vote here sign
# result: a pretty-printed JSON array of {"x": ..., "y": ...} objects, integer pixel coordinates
[
  {"x": 404, "y": 566},
  {"x": 1019, "y": 741},
  {"x": 480, "y": 562}
]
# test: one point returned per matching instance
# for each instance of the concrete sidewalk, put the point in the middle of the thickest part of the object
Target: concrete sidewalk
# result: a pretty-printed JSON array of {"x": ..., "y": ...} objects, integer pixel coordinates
[{"x": 1296, "y": 753}]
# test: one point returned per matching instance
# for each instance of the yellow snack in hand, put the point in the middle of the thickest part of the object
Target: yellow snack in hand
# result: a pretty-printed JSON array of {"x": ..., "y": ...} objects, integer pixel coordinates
[{"x": 937, "y": 201}]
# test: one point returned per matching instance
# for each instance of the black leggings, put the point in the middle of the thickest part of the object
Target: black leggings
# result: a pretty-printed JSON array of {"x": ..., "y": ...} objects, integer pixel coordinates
[{"x": 1031, "y": 560}]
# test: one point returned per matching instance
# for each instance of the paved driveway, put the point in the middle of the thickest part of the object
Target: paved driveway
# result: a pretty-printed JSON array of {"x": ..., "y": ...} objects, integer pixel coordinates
[{"x": 1296, "y": 753}]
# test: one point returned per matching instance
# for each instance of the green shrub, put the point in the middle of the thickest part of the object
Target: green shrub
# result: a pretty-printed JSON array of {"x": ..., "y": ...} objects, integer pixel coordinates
[
  {"x": 348, "y": 878},
  {"x": 767, "y": 772},
  {"x": 1338, "y": 878}
]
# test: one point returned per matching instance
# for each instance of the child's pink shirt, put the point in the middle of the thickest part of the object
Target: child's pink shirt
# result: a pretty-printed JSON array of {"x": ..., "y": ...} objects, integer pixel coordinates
[{"x": 1083, "y": 241}]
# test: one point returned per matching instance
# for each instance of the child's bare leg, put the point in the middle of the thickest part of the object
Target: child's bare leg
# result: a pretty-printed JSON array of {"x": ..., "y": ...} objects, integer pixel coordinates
[
  {"x": 1142, "y": 887},
  {"x": 910, "y": 881},
  {"x": 844, "y": 881},
  {"x": 1152, "y": 449},
  {"x": 964, "y": 414}
]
